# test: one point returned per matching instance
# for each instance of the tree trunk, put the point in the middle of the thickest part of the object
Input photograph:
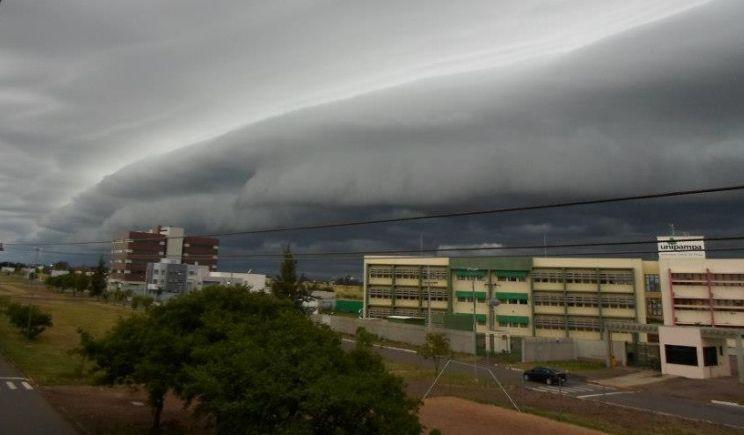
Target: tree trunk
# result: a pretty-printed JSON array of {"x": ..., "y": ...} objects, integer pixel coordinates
[{"x": 157, "y": 411}]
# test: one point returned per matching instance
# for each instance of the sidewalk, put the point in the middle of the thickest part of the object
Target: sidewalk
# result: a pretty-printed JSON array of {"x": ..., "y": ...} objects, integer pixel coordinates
[{"x": 633, "y": 379}]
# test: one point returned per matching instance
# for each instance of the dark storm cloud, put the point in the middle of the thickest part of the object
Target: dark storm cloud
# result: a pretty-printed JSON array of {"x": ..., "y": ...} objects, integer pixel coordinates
[{"x": 644, "y": 101}]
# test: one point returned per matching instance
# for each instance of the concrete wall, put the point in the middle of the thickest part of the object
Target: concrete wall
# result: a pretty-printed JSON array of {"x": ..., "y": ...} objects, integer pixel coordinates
[
  {"x": 562, "y": 349},
  {"x": 460, "y": 341},
  {"x": 593, "y": 349},
  {"x": 547, "y": 349}
]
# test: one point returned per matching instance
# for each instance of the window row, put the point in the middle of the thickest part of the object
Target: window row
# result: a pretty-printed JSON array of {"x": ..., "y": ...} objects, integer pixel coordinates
[
  {"x": 512, "y": 325},
  {"x": 383, "y": 312},
  {"x": 408, "y": 272},
  {"x": 696, "y": 302},
  {"x": 408, "y": 293},
  {"x": 583, "y": 277},
  {"x": 591, "y": 301},
  {"x": 716, "y": 279}
]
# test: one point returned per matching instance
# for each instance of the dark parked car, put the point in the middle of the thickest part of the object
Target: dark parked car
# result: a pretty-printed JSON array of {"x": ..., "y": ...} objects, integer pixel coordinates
[{"x": 544, "y": 374}]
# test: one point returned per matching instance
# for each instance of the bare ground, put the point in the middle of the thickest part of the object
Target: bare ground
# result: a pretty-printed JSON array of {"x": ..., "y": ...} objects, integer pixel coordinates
[
  {"x": 118, "y": 410},
  {"x": 586, "y": 413},
  {"x": 453, "y": 415}
]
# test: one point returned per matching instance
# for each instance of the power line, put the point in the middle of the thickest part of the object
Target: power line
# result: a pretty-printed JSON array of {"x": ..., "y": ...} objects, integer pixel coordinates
[
  {"x": 359, "y": 254},
  {"x": 434, "y": 250},
  {"x": 419, "y": 217}
]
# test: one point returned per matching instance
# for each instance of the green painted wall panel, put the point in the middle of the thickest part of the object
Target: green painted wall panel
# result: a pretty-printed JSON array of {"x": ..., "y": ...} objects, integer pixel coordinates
[
  {"x": 348, "y": 306},
  {"x": 522, "y": 320}
]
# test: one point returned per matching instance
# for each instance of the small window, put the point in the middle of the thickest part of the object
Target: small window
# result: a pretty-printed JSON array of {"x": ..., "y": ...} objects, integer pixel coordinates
[{"x": 683, "y": 355}]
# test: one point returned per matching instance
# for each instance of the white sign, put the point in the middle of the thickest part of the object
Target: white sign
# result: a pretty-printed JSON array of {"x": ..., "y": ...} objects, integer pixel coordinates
[{"x": 684, "y": 246}]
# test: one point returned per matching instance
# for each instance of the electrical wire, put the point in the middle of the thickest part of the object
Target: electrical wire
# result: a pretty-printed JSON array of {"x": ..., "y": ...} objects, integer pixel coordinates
[
  {"x": 416, "y": 217},
  {"x": 418, "y": 251}
]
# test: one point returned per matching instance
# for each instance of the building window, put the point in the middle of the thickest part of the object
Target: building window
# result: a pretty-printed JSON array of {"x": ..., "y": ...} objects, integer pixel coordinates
[
  {"x": 654, "y": 308},
  {"x": 682, "y": 355},
  {"x": 380, "y": 272},
  {"x": 652, "y": 283}
]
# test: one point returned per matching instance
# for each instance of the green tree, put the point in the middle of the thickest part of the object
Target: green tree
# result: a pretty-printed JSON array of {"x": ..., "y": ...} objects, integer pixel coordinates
[
  {"x": 437, "y": 346},
  {"x": 136, "y": 352},
  {"x": 287, "y": 284},
  {"x": 81, "y": 282},
  {"x": 253, "y": 364},
  {"x": 283, "y": 374},
  {"x": 61, "y": 265},
  {"x": 364, "y": 338},
  {"x": 29, "y": 319},
  {"x": 98, "y": 280}
]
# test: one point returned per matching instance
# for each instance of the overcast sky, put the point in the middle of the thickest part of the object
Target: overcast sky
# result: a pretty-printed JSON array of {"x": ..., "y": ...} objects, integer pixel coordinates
[{"x": 235, "y": 115}]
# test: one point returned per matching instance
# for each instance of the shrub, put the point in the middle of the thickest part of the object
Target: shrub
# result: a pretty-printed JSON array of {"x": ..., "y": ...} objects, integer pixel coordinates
[{"x": 29, "y": 319}]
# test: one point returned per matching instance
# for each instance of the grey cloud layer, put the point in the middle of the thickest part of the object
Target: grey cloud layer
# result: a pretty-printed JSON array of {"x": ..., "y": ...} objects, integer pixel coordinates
[{"x": 429, "y": 116}]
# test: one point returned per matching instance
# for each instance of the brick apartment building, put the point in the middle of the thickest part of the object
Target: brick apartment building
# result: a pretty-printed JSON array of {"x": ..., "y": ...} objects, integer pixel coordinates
[{"x": 133, "y": 250}]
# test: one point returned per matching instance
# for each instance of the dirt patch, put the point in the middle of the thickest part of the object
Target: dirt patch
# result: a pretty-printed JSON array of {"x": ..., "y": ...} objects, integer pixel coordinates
[
  {"x": 118, "y": 410},
  {"x": 586, "y": 413},
  {"x": 453, "y": 415}
]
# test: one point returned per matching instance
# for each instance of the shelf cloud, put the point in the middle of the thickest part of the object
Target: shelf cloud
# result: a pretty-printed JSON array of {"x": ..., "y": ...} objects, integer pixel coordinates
[{"x": 245, "y": 117}]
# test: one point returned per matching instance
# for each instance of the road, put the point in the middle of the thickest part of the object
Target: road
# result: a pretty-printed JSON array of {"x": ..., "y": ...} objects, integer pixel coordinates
[
  {"x": 23, "y": 410},
  {"x": 647, "y": 401}
]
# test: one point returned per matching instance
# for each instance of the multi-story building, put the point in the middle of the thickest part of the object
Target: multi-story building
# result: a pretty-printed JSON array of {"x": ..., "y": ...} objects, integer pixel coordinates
[
  {"x": 560, "y": 297},
  {"x": 132, "y": 252},
  {"x": 130, "y": 255},
  {"x": 202, "y": 251},
  {"x": 702, "y": 292},
  {"x": 548, "y": 297}
]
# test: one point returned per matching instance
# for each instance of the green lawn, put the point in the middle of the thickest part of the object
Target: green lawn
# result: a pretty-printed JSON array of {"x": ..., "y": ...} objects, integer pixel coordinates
[{"x": 47, "y": 359}]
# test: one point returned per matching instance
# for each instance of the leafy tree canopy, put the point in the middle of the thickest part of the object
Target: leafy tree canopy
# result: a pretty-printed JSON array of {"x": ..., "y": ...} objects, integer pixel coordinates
[{"x": 253, "y": 364}]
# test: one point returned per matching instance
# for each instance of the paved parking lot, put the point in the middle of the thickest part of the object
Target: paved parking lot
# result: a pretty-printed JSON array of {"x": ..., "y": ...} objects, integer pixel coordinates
[{"x": 579, "y": 390}]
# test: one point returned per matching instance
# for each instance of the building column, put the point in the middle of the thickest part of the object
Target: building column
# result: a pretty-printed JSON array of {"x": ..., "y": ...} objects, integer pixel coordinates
[
  {"x": 489, "y": 296},
  {"x": 450, "y": 291},
  {"x": 531, "y": 301},
  {"x": 565, "y": 302},
  {"x": 740, "y": 358},
  {"x": 608, "y": 341},
  {"x": 365, "y": 312},
  {"x": 599, "y": 299},
  {"x": 421, "y": 289},
  {"x": 710, "y": 298},
  {"x": 392, "y": 292}
]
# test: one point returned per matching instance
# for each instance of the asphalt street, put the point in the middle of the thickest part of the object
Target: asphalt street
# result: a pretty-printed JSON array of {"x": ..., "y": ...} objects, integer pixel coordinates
[
  {"x": 23, "y": 410},
  {"x": 642, "y": 400}
]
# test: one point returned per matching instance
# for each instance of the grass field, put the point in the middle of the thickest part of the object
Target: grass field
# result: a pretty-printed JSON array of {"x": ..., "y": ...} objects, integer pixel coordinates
[{"x": 47, "y": 359}]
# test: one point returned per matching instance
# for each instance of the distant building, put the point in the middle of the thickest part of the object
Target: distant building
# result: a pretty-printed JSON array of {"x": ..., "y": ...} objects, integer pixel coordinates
[
  {"x": 134, "y": 250},
  {"x": 6, "y": 270},
  {"x": 56, "y": 273},
  {"x": 256, "y": 282},
  {"x": 169, "y": 278}
]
